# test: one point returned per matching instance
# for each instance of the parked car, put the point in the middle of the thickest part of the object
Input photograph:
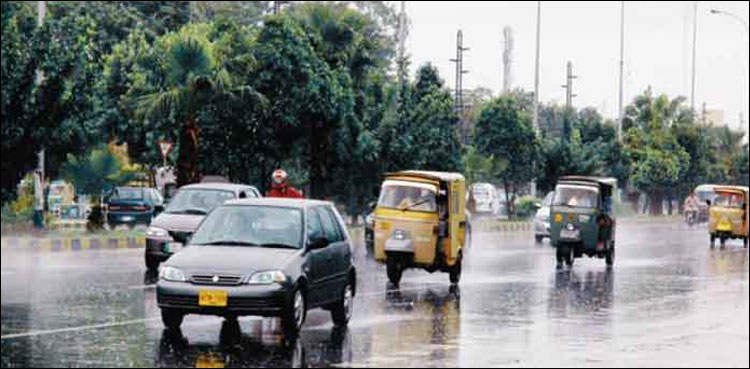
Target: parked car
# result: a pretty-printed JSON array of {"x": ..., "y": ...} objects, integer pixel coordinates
[
  {"x": 172, "y": 229},
  {"x": 266, "y": 257},
  {"x": 541, "y": 220},
  {"x": 132, "y": 206}
]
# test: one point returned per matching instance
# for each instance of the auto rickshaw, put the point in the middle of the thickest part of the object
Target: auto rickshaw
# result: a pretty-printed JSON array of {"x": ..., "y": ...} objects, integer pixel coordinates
[
  {"x": 728, "y": 215},
  {"x": 420, "y": 222},
  {"x": 582, "y": 219}
]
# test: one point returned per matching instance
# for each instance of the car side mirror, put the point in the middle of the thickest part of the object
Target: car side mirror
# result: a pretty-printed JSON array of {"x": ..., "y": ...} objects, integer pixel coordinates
[{"x": 319, "y": 243}]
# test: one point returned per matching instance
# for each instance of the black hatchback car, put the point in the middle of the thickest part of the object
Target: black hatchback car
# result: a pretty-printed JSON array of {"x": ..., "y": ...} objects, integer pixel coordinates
[{"x": 262, "y": 257}]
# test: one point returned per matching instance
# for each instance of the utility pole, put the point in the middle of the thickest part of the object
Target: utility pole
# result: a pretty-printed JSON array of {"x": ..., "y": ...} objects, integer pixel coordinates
[
  {"x": 459, "y": 98},
  {"x": 402, "y": 34},
  {"x": 507, "y": 59},
  {"x": 695, "y": 39},
  {"x": 620, "y": 112},
  {"x": 569, "y": 95},
  {"x": 39, "y": 175}
]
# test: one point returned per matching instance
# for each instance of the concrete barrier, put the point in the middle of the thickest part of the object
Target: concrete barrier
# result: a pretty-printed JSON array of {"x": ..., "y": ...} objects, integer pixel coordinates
[
  {"x": 501, "y": 227},
  {"x": 73, "y": 244}
]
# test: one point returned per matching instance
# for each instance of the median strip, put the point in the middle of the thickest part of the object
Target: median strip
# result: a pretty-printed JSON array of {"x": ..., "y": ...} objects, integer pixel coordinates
[{"x": 73, "y": 244}]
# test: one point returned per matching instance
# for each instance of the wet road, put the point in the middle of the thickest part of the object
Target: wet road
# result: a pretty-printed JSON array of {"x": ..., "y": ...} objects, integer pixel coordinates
[{"x": 669, "y": 301}]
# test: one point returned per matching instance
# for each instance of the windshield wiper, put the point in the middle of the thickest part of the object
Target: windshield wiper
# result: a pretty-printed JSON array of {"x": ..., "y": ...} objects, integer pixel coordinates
[
  {"x": 416, "y": 204},
  {"x": 229, "y": 243},
  {"x": 279, "y": 246},
  {"x": 191, "y": 211}
]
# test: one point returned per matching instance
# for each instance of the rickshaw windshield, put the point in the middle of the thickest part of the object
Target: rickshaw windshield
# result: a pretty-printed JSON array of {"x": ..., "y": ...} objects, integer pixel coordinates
[
  {"x": 408, "y": 196},
  {"x": 576, "y": 196},
  {"x": 729, "y": 200}
]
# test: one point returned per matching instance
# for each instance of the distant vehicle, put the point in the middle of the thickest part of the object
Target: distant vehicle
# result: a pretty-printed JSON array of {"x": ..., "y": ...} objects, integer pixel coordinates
[
  {"x": 132, "y": 206},
  {"x": 729, "y": 215},
  {"x": 486, "y": 198},
  {"x": 173, "y": 228},
  {"x": 263, "y": 257},
  {"x": 582, "y": 219},
  {"x": 705, "y": 193},
  {"x": 542, "y": 219},
  {"x": 60, "y": 194}
]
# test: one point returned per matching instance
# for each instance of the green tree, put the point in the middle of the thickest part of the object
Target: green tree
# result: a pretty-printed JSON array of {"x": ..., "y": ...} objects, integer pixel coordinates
[
  {"x": 92, "y": 174},
  {"x": 196, "y": 78},
  {"x": 504, "y": 132}
]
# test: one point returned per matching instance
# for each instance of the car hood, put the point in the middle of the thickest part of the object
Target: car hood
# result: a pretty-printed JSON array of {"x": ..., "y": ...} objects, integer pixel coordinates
[
  {"x": 235, "y": 260},
  {"x": 178, "y": 222}
]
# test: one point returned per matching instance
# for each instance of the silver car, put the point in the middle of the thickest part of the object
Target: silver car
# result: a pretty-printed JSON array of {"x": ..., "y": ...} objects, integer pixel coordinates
[{"x": 542, "y": 219}]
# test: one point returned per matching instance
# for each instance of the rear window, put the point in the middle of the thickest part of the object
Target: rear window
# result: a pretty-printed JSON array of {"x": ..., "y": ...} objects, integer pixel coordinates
[{"x": 128, "y": 194}]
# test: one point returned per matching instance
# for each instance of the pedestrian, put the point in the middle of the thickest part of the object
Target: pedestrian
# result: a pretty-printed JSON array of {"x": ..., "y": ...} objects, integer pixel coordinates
[{"x": 280, "y": 187}]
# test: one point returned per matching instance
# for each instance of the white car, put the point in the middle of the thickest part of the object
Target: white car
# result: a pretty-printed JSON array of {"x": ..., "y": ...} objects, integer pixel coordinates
[{"x": 542, "y": 219}]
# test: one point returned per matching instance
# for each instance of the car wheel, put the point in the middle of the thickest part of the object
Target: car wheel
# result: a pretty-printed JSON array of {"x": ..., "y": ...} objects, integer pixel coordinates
[
  {"x": 342, "y": 311},
  {"x": 455, "y": 273},
  {"x": 539, "y": 239},
  {"x": 151, "y": 263},
  {"x": 610, "y": 257},
  {"x": 394, "y": 269},
  {"x": 172, "y": 319},
  {"x": 746, "y": 240},
  {"x": 295, "y": 314}
]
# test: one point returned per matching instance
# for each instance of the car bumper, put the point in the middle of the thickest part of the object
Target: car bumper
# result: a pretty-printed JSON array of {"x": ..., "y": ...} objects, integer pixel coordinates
[
  {"x": 129, "y": 218},
  {"x": 266, "y": 301},
  {"x": 158, "y": 248}
]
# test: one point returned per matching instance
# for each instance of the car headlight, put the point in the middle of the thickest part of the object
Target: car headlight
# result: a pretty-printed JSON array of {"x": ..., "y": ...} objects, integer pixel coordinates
[
  {"x": 271, "y": 277},
  {"x": 172, "y": 274},
  {"x": 156, "y": 232}
]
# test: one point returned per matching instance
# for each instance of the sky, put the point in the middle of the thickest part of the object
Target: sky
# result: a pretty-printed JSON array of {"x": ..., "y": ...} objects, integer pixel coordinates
[{"x": 658, "y": 49}]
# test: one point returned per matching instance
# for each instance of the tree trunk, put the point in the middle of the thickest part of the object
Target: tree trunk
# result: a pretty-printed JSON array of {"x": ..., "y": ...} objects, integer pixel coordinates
[
  {"x": 657, "y": 204},
  {"x": 187, "y": 160}
]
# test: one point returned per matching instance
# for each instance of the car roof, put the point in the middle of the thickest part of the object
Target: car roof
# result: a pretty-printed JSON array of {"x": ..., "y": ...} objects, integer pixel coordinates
[
  {"x": 234, "y": 187},
  {"x": 442, "y": 176},
  {"x": 278, "y": 202}
]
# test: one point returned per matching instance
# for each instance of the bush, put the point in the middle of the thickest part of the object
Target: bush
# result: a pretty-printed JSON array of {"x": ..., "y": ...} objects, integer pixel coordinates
[{"x": 527, "y": 207}]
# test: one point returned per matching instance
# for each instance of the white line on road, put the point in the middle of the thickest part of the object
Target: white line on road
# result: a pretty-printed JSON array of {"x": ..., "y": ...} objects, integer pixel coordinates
[
  {"x": 144, "y": 287},
  {"x": 76, "y": 329},
  {"x": 7, "y": 273}
]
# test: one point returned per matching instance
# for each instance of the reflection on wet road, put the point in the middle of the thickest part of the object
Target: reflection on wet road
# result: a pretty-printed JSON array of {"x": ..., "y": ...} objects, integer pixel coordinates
[{"x": 669, "y": 301}]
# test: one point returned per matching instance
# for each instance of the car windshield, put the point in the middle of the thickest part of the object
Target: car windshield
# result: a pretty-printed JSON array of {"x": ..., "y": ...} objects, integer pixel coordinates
[
  {"x": 576, "y": 196},
  {"x": 729, "y": 200},
  {"x": 408, "y": 196},
  {"x": 198, "y": 201},
  {"x": 251, "y": 226},
  {"x": 128, "y": 194}
]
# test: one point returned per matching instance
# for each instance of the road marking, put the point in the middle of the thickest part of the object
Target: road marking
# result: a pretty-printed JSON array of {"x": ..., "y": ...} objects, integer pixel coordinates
[
  {"x": 7, "y": 273},
  {"x": 144, "y": 287},
  {"x": 76, "y": 329}
]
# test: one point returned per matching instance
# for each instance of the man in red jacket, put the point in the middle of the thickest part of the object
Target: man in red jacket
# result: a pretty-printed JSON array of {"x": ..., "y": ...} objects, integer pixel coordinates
[{"x": 279, "y": 187}]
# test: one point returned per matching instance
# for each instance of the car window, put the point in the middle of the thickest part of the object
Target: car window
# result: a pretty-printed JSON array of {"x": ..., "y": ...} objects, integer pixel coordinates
[
  {"x": 314, "y": 227},
  {"x": 128, "y": 194},
  {"x": 329, "y": 225}
]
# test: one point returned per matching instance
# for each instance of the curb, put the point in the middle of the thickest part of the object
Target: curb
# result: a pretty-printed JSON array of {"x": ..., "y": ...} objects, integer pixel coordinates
[
  {"x": 502, "y": 227},
  {"x": 72, "y": 244}
]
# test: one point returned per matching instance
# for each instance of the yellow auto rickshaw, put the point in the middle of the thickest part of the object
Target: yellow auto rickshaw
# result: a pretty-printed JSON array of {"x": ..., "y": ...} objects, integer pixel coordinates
[
  {"x": 729, "y": 215},
  {"x": 420, "y": 222}
]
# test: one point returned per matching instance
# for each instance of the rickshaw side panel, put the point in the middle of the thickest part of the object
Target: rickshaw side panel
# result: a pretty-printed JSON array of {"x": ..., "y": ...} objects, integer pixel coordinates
[{"x": 457, "y": 233}]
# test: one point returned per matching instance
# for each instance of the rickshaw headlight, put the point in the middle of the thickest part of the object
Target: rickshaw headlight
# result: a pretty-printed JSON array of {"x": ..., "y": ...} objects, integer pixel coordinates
[
  {"x": 401, "y": 235},
  {"x": 558, "y": 218}
]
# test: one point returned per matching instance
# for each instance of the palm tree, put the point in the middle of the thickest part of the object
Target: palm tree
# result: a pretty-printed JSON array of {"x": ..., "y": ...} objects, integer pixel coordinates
[
  {"x": 94, "y": 174},
  {"x": 194, "y": 82}
]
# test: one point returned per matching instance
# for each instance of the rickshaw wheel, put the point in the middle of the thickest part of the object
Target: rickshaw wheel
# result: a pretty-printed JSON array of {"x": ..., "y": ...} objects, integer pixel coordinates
[
  {"x": 455, "y": 273},
  {"x": 394, "y": 270},
  {"x": 723, "y": 243},
  {"x": 713, "y": 242}
]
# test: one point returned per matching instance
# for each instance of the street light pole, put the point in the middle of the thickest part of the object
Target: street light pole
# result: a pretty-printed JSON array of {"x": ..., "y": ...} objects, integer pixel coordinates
[
  {"x": 622, "y": 63},
  {"x": 39, "y": 175},
  {"x": 536, "y": 81},
  {"x": 747, "y": 30},
  {"x": 695, "y": 38}
]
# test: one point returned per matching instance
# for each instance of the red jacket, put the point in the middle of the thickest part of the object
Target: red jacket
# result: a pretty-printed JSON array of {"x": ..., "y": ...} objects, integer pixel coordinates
[{"x": 284, "y": 190}]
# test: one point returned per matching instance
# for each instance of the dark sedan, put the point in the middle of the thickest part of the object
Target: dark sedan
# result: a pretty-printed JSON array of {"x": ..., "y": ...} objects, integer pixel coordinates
[
  {"x": 262, "y": 257},
  {"x": 172, "y": 229},
  {"x": 132, "y": 206}
]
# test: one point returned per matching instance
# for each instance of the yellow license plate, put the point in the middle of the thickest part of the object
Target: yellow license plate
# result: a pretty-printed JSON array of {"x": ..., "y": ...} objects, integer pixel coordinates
[{"x": 213, "y": 298}]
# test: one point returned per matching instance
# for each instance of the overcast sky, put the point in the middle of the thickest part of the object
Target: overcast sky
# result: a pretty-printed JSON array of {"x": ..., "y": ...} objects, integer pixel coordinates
[{"x": 658, "y": 42}]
